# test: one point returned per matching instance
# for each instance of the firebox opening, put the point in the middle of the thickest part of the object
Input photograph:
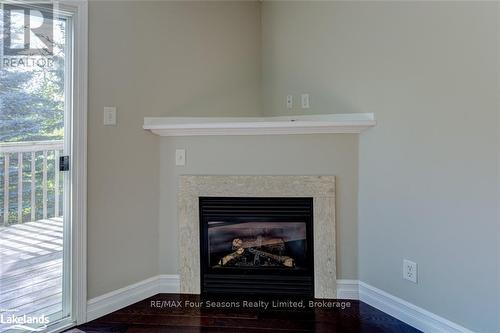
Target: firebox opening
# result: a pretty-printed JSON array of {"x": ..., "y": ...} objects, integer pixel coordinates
[{"x": 256, "y": 245}]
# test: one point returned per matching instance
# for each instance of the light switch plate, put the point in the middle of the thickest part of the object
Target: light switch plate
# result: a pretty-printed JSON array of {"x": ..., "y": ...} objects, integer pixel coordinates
[
  {"x": 180, "y": 157},
  {"x": 109, "y": 115}
]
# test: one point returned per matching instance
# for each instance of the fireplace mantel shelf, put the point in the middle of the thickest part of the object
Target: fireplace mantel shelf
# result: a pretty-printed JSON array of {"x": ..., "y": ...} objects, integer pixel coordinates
[{"x": 303, "y": 124}]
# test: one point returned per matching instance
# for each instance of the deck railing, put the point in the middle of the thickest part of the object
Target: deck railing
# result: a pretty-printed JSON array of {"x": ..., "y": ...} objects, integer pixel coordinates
[{"x": 31, "y": 181}]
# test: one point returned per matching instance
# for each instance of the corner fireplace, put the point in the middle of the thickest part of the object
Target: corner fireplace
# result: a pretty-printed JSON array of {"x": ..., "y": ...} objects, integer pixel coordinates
[{"x": 256, "y": 245}]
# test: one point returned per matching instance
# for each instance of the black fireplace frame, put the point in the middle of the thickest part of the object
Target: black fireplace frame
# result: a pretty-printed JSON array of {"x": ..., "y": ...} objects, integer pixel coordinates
[{"x": 253, "y": 281}]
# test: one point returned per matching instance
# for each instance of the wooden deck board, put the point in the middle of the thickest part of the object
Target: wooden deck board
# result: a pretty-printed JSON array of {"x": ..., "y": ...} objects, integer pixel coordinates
[{"x": 31, "y": 268}]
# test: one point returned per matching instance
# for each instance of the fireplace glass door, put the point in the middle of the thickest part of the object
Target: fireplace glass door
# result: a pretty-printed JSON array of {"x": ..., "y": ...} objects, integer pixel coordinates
[
  {"x": 256, "y": 245},
  {"x": 253, "y": 244}
]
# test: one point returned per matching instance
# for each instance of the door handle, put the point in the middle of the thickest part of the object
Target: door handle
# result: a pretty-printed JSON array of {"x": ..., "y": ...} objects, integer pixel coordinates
[{"x": 64, "y": 163}]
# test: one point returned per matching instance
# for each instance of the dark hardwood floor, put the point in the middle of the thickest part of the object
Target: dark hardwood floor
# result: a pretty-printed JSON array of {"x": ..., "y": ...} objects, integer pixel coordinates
[{"x": 163, "y": 314}]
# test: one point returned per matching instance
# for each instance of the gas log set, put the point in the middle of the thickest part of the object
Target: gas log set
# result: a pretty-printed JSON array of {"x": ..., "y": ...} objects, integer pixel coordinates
[{"x": 255, "y": 252}]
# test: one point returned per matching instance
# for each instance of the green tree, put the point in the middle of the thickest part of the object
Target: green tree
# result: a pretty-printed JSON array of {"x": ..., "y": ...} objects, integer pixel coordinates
[
  {"x": 31, "y": 104},
  {"x": 32, "y": 97}
]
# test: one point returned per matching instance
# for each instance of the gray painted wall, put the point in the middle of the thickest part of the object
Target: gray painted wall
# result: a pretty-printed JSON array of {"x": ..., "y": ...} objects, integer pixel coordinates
[
  {"x": 429, "y": 171},
  {"x": 152, "y": 58}
]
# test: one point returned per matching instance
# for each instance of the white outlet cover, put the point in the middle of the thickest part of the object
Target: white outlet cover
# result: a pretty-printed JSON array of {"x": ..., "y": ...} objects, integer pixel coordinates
[
  {"x": 180, "y": 157},
  {"x": 289, "y": 101},
  {"x": 305, "y": 101},
  {"x": 410, "y": 271},
  {"x": 109, "y": 115}
]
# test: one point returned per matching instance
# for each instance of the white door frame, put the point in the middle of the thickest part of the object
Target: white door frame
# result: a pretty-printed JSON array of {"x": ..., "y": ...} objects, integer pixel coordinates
[
  {"x": 78, "y": 166},
  {"x": 79, "y": 161}
]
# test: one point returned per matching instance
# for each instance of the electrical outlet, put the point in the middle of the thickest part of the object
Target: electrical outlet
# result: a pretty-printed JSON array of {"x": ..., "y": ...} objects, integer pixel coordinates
[
  {"x": 289, "y": 102},
  {"x": 305, "y": 101},
  {"x": 409, "y": 271},
  {"x": 109, "y": 115}
]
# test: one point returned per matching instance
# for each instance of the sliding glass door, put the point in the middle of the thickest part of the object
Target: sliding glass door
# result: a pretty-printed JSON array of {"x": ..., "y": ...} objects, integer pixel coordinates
[{"x": 36, "y": 80}]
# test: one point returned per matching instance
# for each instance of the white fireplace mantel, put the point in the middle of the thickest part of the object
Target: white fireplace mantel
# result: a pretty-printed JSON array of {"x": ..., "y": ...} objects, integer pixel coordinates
[{"x": 302, "y": 124}]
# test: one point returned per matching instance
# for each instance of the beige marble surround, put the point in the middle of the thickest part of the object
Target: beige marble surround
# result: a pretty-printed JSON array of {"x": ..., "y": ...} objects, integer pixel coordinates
[{"x": 320, "y": 188}]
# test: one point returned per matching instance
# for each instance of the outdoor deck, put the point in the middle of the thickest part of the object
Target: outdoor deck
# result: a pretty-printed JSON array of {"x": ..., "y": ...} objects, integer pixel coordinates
[{"x": 31, "y": 268}]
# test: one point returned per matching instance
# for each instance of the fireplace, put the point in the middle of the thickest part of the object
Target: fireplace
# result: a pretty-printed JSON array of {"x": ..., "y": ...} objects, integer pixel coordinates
[{"x": 256, "y": 245}]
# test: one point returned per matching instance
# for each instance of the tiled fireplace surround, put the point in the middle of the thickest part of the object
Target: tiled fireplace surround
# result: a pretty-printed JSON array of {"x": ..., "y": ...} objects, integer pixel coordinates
[{"x": 320, "y": 188}]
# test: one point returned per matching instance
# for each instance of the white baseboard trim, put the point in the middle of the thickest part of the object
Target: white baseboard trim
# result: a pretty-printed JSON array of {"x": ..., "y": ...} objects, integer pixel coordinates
[
  {"x": 407, "y": 312},
  {"x": 117, "y": 299},
  {"x": 169, "y": 284},
  {"x": 346, "y": 289}
]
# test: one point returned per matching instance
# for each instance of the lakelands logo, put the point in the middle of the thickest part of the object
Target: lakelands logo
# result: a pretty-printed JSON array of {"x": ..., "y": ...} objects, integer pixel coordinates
[
  {"x": 24, "y": 322},
  {"x": 28, "y": 29}
]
